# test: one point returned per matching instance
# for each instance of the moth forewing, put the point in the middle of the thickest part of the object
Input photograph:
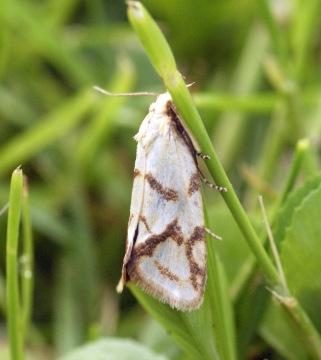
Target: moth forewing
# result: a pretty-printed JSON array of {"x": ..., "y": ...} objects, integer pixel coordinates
[
  {"x": 135, "y": 211},
  {"x": 184, "y": 130},
  {"x": 165, "y": 248}
]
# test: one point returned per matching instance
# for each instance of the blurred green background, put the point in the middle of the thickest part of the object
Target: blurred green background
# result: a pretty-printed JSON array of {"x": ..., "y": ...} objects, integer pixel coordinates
[{"x": 256, "y": 68}]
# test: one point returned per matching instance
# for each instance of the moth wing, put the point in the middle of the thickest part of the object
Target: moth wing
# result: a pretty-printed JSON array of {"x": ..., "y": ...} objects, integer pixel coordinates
[
  {"x": 135, "y": 210},
  {"x": 168, "y": 259}
]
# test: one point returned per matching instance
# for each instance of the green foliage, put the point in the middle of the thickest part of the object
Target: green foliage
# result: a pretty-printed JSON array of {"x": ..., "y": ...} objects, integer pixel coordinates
[
  {"x": 113, "y": 349},
  {"x": 299, "y": 254},
  {"x": 256, "y": 70}
]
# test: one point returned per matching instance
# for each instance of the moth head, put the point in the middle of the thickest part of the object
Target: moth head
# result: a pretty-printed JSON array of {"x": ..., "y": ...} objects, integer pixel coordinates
[{"x": 163, "y": 102}]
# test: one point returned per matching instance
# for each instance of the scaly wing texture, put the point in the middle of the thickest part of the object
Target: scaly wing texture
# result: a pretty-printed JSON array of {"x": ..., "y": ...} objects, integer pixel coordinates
[
  {"x": 168, "y": 259},
  {"x": 136, "y": 203}
]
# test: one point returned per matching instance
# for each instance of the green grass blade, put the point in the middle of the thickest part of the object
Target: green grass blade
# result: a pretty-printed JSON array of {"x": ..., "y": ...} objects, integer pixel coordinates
[
  {"x": 191, "y": 330},
  {"x": 48, "y": 130},
  {"x": 143, "y": 23},
  {"x": 13, "y": 300},
  {"x": 27, "y": 279}
]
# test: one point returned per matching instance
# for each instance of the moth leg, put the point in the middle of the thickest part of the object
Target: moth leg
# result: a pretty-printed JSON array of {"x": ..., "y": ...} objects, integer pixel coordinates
[
  {"x": 181, "y": 130},
  {"x": 207, "y": 183},
  {"x": 210, "y": 185},
  {"x": 202, "y": 156},
  {"x": 212, "y": 234}
]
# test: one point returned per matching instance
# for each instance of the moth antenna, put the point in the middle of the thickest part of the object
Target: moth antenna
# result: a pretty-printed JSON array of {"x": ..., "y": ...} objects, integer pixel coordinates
[
  {"x": 124, "y": 94},
  {"x": 212, "y": 234}
]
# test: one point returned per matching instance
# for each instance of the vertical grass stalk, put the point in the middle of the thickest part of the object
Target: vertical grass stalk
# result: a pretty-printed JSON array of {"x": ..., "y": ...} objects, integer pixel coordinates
[
  {"x": 162, "y": 59},
  {"x": 27, "y": 280},
  {"x": 14, "y": 319}
]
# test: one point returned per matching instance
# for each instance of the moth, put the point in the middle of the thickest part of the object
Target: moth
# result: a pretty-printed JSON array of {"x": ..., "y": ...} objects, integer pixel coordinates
[{"x": 165, "y": 246}]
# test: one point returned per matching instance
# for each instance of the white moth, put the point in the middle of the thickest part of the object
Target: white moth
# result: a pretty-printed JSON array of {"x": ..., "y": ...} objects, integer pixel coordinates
[{"x": 165, "y": 247}]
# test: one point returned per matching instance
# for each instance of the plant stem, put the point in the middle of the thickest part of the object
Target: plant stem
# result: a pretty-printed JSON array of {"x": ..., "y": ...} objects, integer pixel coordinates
[
  {"x": 162, "y": 58},
  {"x": 13, "y": 301},
  {"x": 301, "y": 149},
  {"x": 274, "y": 30},
  {"x": 27, "y": 282},
  {"x": 46, "y": 131}
]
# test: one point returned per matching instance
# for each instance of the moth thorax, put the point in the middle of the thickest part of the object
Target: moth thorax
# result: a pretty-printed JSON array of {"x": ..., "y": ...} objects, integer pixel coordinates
[{"x": 163, "y": 102}]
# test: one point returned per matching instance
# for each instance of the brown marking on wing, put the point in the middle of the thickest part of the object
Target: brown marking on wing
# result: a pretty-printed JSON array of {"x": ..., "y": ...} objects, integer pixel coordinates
[
  {"x": 173, "y": 231},
  {"x": 166, "y": 272},
  {"x": 197, "y": 276},
  {"x": 124, "y": 275},
  {"x": 167, "y": 193},
  {"x": 147, "y": 248},
  {"x": 137, "y": 173},
  {"x": 198, "y": 273},
  {"x": 130, "y": 219},
  {"x": 180, "y": 129},
  {"x": 144, "y": 221},
  {"x": 194, "y": 184}
]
